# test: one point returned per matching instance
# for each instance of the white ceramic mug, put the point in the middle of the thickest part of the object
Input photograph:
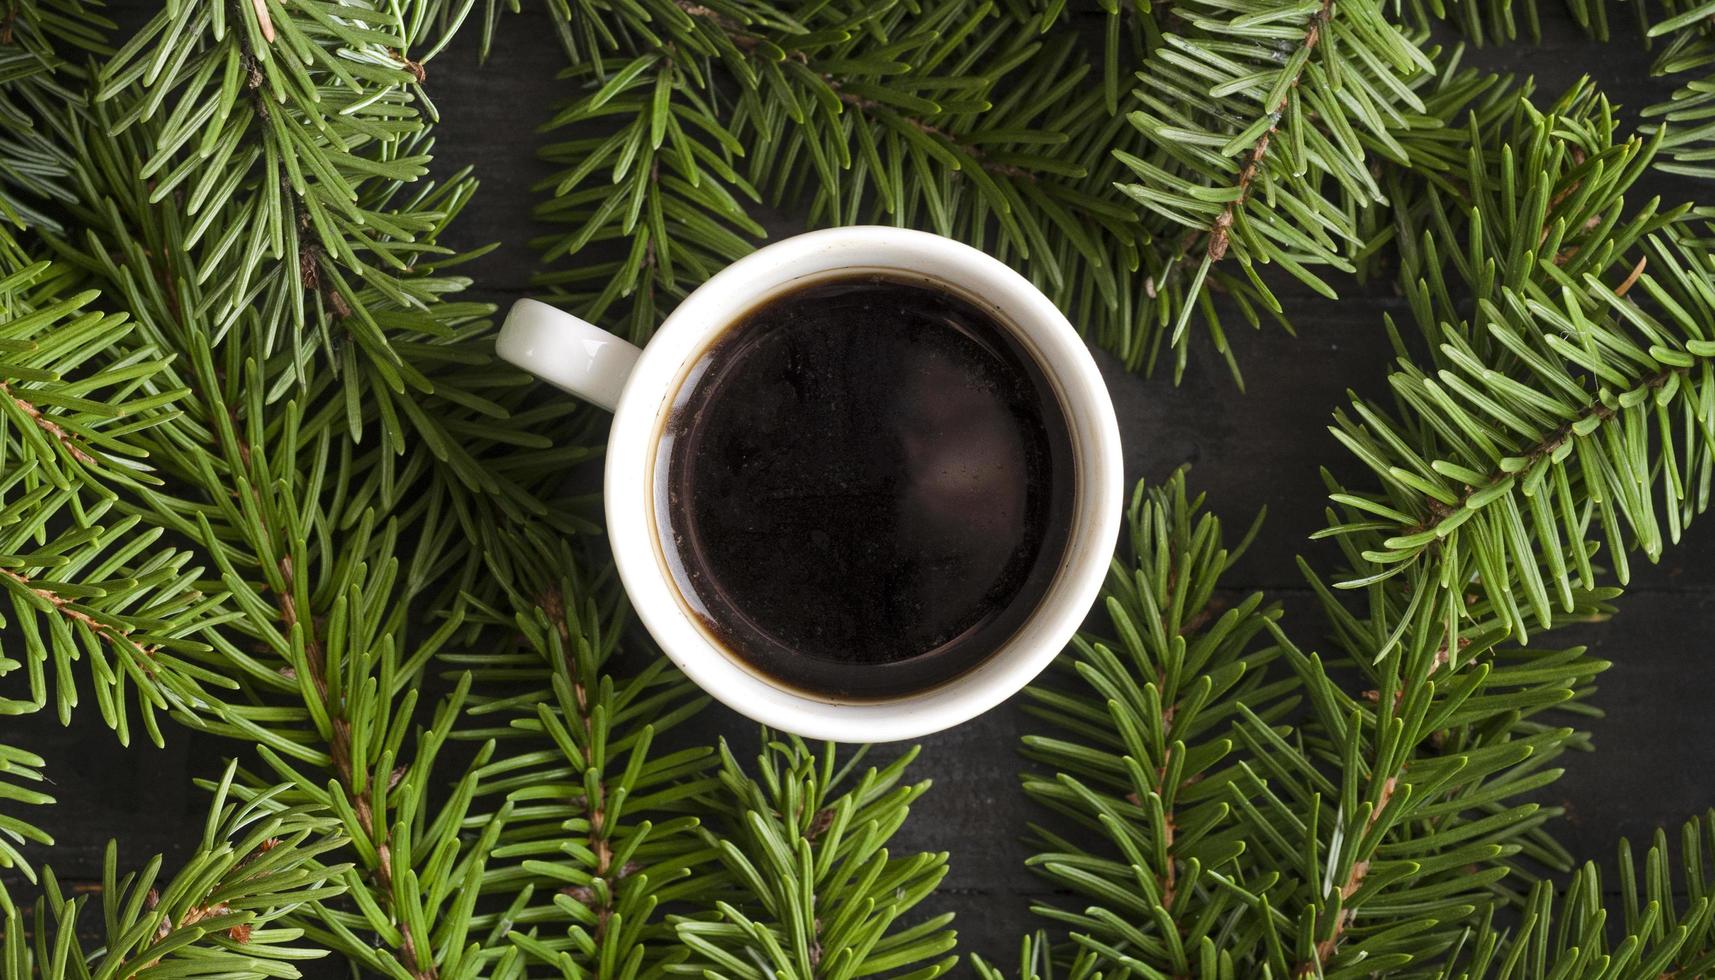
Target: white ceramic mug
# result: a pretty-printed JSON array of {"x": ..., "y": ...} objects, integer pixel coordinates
[{"x": 639, "y": 387}]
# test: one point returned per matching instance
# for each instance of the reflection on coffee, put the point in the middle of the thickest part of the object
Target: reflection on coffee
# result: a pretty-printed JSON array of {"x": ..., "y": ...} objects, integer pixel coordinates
[{"x": 868, "y": 487}]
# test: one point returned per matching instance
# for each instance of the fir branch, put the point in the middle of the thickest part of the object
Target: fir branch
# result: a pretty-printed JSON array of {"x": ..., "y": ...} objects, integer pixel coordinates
[
  {"x": 287, "y": 158},
  {"x": 600, "y": 833},
  {"x": 375, "y": 498},
  {"x": 1140, "y": 747},
  {"x": 1579, "y": 166},
  {"x": 1548, "y": 347},
  {"x": 1431, "y": 769},
  {"x": 650, "y": 186},
  {"x": 882, "y": 115},
  {"x": 1665, "y": 927},
  {"x": 1686, "y": 40},
  {"x": 1234, "y": 840},
  {"x": 20, "y": 774},
  {"x": 392, "y": 360},
  {"x": 65, "y": 422},
  {"x": 815, "y": 891},
  {"x": 84, "y": 582},
  {"x": 1555, "y": 395},
  {"x": 332, "y": 544},
  {"x": 39, "y": 47},
  {"x": 1216, "y": 236},
  {"x": 352, "y": 722},
  {"x": 1679, "y": 31},
  {"x": 1224, "y": 106},
  {"x": 432, "y": 399},
  {"x": 68, "y": 444},
  {"x": 1416, "y": 799},
  {"x": 217, "y": 917}
]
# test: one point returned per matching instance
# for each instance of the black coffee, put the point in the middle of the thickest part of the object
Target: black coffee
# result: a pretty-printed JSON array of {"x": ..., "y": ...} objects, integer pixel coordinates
[{"x": 869, "y": 487}]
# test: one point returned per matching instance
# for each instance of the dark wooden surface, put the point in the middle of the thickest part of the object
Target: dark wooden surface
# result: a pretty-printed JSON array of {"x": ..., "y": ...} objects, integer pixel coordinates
[{"x": 1654, "y": 750}]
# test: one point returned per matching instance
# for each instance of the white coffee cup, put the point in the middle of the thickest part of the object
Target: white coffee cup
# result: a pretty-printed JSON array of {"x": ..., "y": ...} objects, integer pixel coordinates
[{"x": 639, "y": 387}]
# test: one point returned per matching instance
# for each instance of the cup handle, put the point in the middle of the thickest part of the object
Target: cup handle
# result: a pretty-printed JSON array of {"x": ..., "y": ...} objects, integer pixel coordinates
[{"x": 567, "y": 352}]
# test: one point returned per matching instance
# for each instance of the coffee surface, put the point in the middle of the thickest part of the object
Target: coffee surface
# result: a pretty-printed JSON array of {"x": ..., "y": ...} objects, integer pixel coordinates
[{"x": 868, "y": 487}]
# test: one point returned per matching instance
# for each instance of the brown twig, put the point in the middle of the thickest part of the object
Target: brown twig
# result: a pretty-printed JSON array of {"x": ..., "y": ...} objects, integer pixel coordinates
[
  {"x": 339, "y": 747},
  {"x": 1215, "y": 240},
  {"x": 1374, "y": 696},
  {"x": 112, "y": 635},
  {"x": 48, "y": 425},
  {"x": 339, "y": 743},
  {"x": 240, "y": 933},
  {"x": 1203, "y": 616},
  {"x": 313, "y": 250},
  {"x": 416, "y": 68},
  {"x": 1577, "y": 156},
  {"x": 553, "y": 605},
  {"x": 1218, "y": 232},
  {"x": 734, "y": 31},
  {"x": 1326, "y": 948},
  {"x": 1439, "y": 511},
  {"x": 1167, "y": 882}
]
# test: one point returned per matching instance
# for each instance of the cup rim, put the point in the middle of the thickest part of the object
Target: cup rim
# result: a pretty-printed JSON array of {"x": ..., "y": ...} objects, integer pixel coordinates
[{"x": 700, "y": 318}]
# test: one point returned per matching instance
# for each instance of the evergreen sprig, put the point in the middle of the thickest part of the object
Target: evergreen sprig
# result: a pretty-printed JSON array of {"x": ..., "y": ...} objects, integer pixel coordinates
[
  {"x": 600, "y": 835},
  {"x": 1141, "y": 747},
  {"x": 962, "y": 119},
  {"x": 323, "y": 543},
  {"x": 327, "y": 533},
  {"x": 220, "y": 915},
  {"x": 1213, "y": 828},
  {"x": 1534, "y": 435},
  {"x": 84, "y": 581},
  {"x": 815, "y": 892},
  {"x": 237, "y": 105},
  {"x": 41, "y": 46},
  {"x": 1684, "y": 41},
  {"x": 1261, "y": 124},
  {"x": 1414, "y": 795},
  {"x": 20, "y": 777},
  {"x": 1678, "y": 31},
  {"x": 1664, "y": 921},
  {"x": 655, "y": 185}
]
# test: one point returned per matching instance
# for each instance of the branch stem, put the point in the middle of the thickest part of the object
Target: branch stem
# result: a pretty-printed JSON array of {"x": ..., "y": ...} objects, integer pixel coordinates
[
  {"x": 1327, "y": 947},
  {"x": 113, "y": 636},
  {"x": 1218, "y": 233},
  {"x": 339, "y": 742},
  {"x": 602, "y": 902},
  {"x": 1441, "y": 512},
  {"x": 44, "y": 422}
]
